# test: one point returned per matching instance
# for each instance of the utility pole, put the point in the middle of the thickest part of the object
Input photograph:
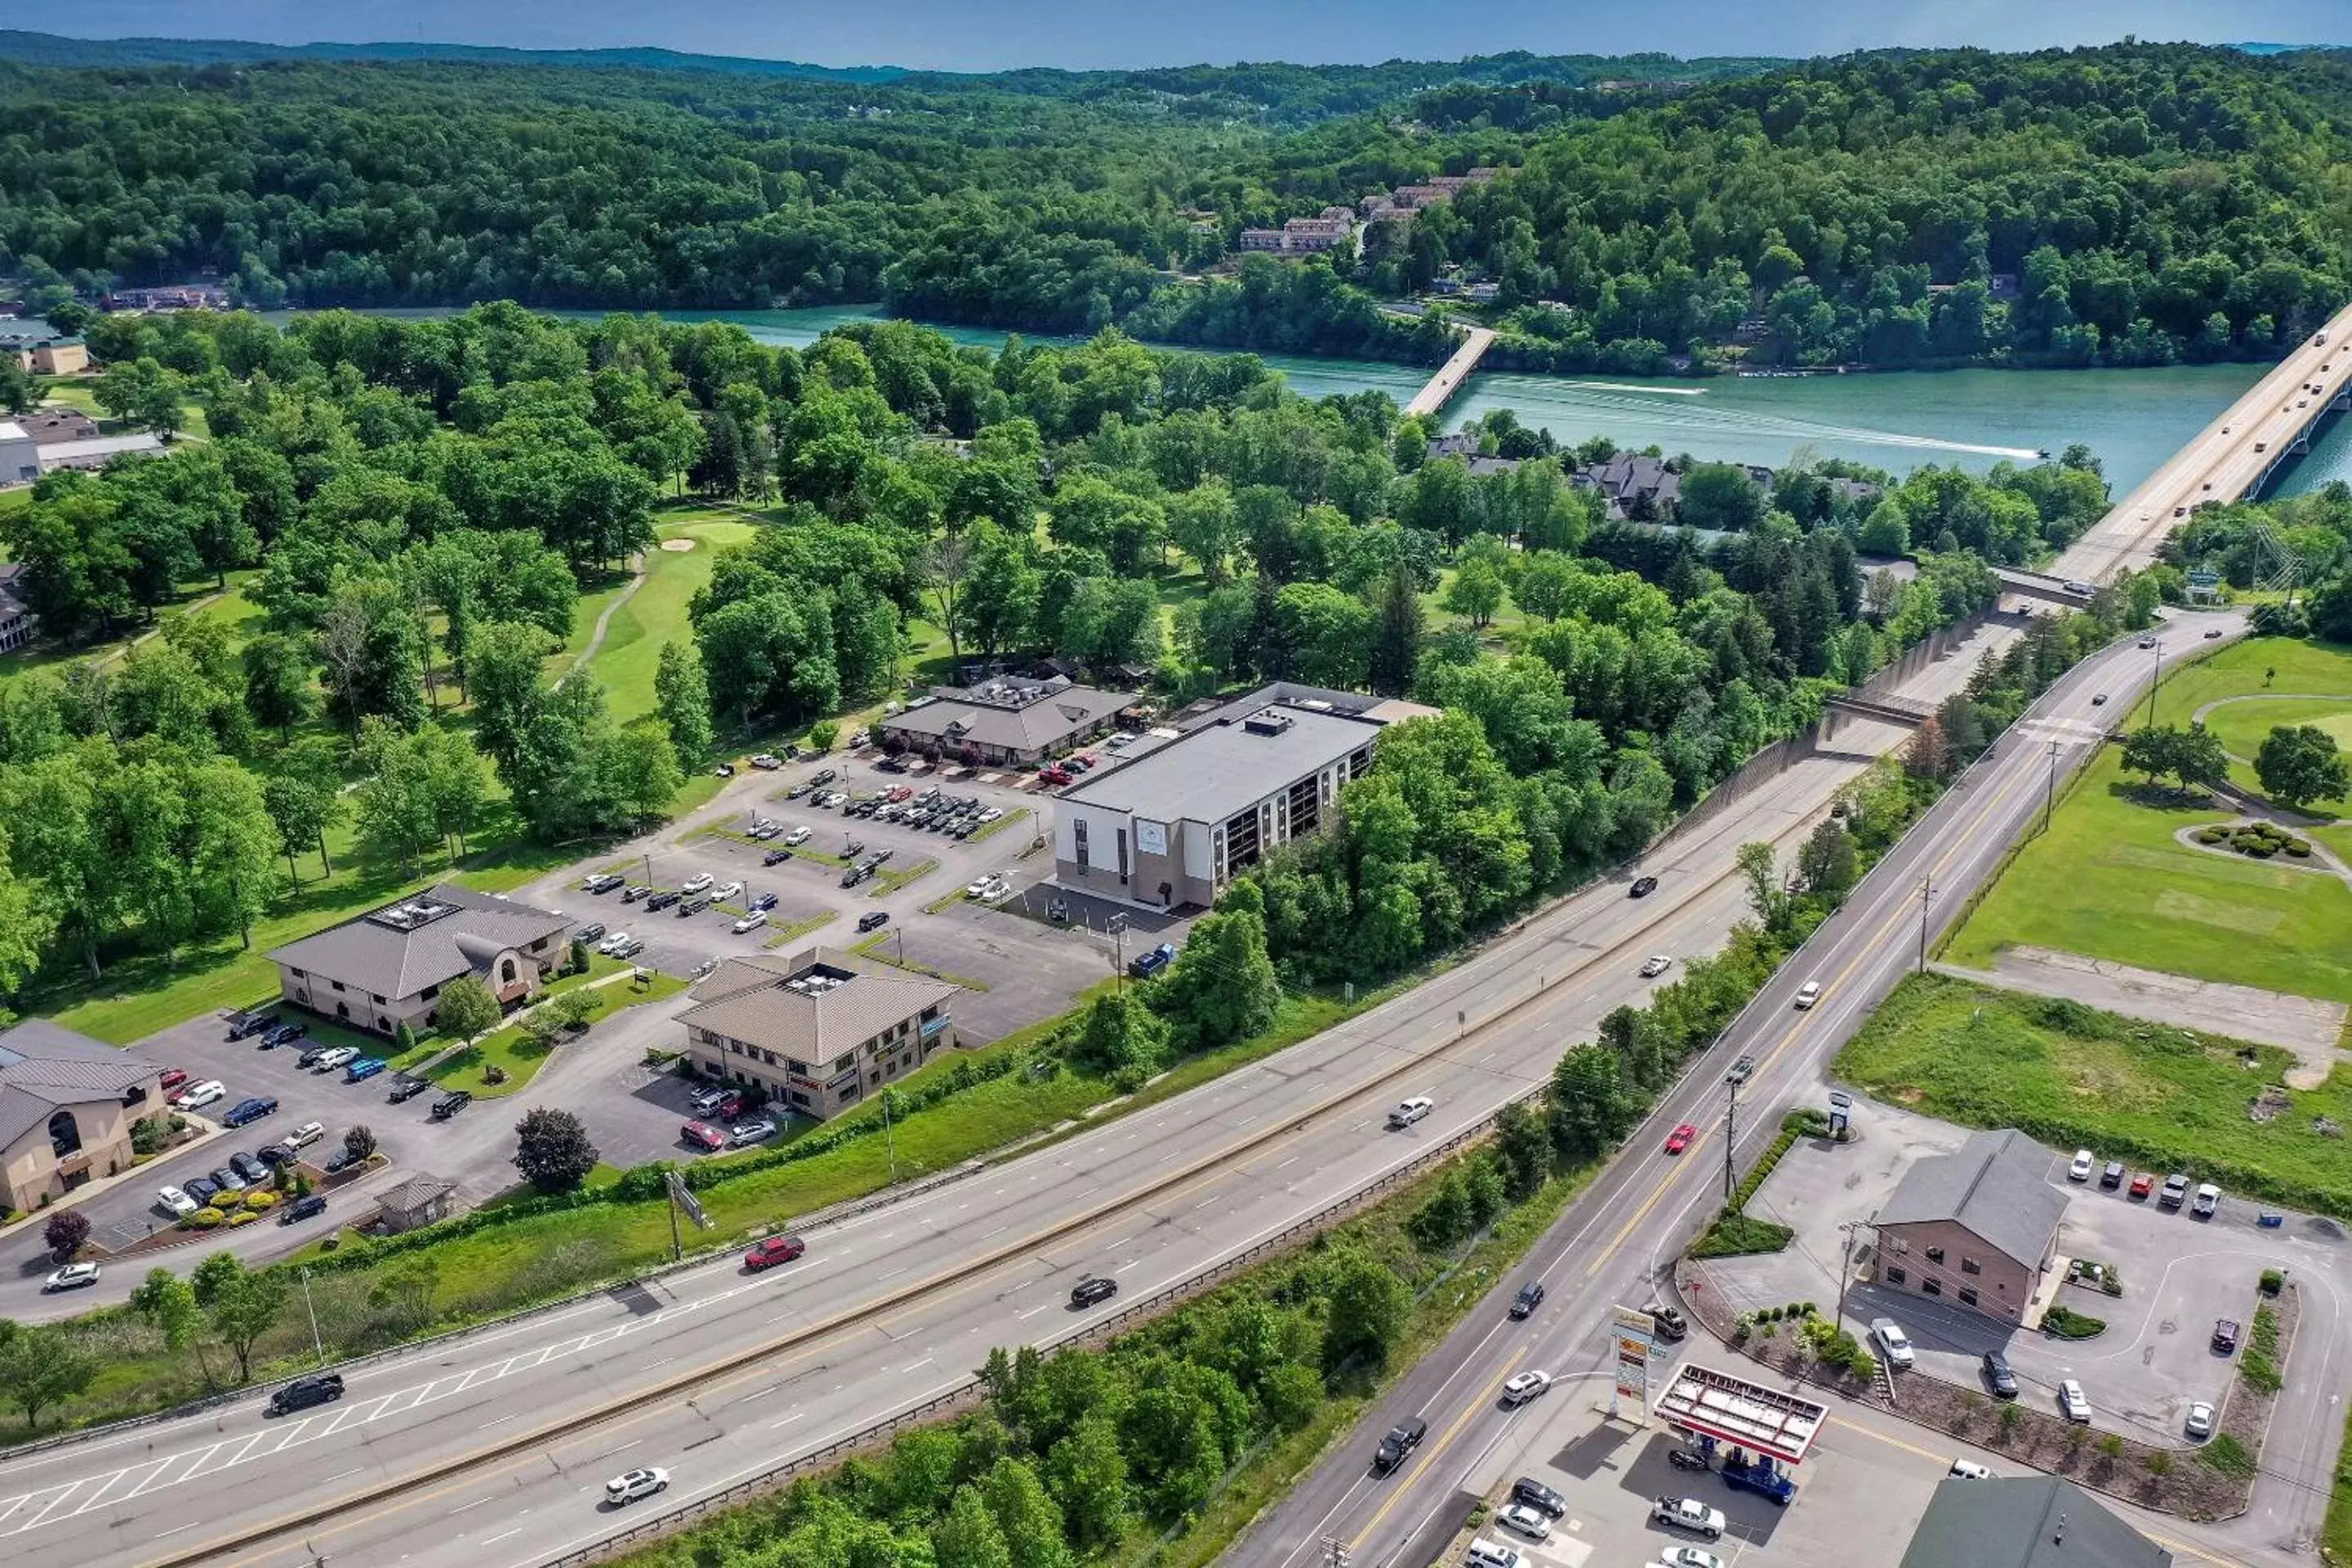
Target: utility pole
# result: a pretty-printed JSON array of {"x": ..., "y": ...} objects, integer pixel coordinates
[
  {"x": 1927, "y": 893},
  {"x": 1334, "y": 1553},
  {"x": 2049, "y": 791},
  {"x": 1730, "y": 1138},
  {"x": 1845, "y": 1261},
  {"x": 889, "y": 1137},
  {"x": 316, "y": 1347}
]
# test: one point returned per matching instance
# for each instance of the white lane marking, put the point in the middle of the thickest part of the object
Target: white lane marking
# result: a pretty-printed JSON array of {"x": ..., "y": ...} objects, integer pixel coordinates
[
  {"x": 494, "y": 1539},
  {"x": 787, "y": 1420},
  {"x": 477, "y": 1502}
]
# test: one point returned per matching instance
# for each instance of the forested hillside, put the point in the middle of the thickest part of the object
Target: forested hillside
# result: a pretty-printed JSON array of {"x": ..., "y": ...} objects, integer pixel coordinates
[{"x": 2132, "y": 205}]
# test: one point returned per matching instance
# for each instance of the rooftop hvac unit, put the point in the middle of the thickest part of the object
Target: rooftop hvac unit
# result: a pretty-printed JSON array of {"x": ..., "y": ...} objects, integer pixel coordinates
[{"x": 1269, "y": 722}]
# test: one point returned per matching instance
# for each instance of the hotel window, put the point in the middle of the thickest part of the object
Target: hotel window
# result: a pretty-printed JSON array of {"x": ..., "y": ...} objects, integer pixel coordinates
[
  {"x": 1895, "y": 1276},
  {"x": 1935, "y": 1255},
  {"x": 1970, "y": 1266},
  {"x": 1968, "y": 1296},
  {"x": 1079, "y": 830}
]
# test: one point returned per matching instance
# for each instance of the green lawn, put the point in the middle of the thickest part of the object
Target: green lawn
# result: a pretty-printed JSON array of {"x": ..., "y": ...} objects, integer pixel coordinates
[
  {"x": 2265, "y": 674},
  {"x": 2108, "y": 881},
  {"x": 655, "y": 613},
  {"x": 2161, "y": 1098},
  {"x": 519, "y": 1056}
]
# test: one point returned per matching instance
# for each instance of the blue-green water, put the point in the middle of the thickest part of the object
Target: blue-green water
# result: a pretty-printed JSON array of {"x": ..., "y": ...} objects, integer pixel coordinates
[{"x": 2133, "y": 420}]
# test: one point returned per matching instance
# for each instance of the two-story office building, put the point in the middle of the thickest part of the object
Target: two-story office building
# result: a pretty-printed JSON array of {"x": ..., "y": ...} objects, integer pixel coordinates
[
  {"x": 818, "y": 1030},
  {"x": 387, "y": 967}
]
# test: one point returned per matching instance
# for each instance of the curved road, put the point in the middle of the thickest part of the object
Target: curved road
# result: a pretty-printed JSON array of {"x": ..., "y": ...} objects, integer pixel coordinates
[{"x": 492, "y": 1449}]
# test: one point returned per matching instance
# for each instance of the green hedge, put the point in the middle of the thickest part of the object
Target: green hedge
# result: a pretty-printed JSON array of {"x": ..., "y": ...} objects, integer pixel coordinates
[{"x": 2065, "y": 1324}]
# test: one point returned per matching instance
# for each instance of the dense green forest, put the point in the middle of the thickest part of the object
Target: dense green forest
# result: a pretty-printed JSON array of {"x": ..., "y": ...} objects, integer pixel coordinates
[
  {"x": 417, "y": 504},
  {"x": 2131, "y": 204}
]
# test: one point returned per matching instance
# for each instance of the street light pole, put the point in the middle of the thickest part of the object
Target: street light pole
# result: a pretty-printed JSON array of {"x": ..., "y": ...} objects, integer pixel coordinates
[
  {"x": 316, "y": 1347},
  {"x": 2049, "y": 793},
  {"x": 1730, "y": 1138},
  {"x": 1926, "y": 893},
  {"x": 889, "y": 1137},
  {"x": 2155, "y": 683}
]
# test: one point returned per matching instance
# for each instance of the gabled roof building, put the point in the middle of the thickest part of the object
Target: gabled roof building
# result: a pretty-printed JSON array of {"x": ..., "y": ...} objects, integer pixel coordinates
[
  {"x": 817, "y": 1030},
  {"x": 67, "y": 1107},
  {"x": 387, "y": 967}
]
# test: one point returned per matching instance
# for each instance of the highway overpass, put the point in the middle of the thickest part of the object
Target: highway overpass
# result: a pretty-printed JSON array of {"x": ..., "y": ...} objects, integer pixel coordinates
[{"x": 2230, "y": 459}]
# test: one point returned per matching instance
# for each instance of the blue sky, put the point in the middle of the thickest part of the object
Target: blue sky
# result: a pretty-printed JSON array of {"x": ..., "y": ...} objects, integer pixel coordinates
[{"x": 991, "y": 34}]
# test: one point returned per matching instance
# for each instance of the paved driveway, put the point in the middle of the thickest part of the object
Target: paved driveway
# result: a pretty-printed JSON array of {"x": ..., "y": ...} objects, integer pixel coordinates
[{"x": 2153, "y": 1359}]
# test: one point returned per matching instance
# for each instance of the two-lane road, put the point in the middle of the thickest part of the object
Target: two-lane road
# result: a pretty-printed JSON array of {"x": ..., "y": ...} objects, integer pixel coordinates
[{"x": 1616, "y": 1244}]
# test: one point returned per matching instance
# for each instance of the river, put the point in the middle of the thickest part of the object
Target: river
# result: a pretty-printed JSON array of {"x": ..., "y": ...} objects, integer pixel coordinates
[{"x": 2132, "y": 419}]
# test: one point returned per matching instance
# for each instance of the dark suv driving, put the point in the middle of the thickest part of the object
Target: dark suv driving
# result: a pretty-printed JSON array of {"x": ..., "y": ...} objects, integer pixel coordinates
[
  {"x": 1529, "y": 1298},
  {"x": 1091, "y": 1289},
  {"x": 322, "y": 1388},
  {"x": 1402, "y": 1440}
]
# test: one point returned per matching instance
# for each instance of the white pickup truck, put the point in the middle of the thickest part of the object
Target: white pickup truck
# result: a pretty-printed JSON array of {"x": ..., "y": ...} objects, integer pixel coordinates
[{"x": 1689, "y": 1513}]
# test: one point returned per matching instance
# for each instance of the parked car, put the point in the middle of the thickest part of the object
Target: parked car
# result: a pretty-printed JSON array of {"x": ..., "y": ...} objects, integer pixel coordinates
[
  {"x": 1969, "y": 1470},
  {"x": 449, "y": 1104},
  {"x": 2143, "y": 1183},
  {"x": 195, "y": 1097},
  {"x": 1094, "y": 1287},
  {"x": 751, "y": 923},
  {"x": 695, "y": 883},
  {"x": 2113, "y": 1176},
  {"x": 633, "y": 892},
  {"x": 745, "y": 1133},
  {"x": 303, "y": 1209},
  {"x": 775, "y": 856},
  {"x": 593, "y": 931},
  {"x": 798, "y": 790},
  {"x": 693, "y": 906},
  {"x": 176, "y": 1202},
  {"x": 227, "y": 1181},
  {"x": 772, "y": 1251},
  {"x": 72, "y": 1277},
  {"x": 341, "y": 1159},
  {"x": 250, "y": 1111},
  {"x": 1655, "y": 965},
  {"x": 363, "y": 1069},
  {"x": 1527, "y": 1521},
  {"x": 2079, "y": 1169},
  {"x": 1893, "y": 1344},
  {"x": 2199, "y": 1425},
  {"x": 725, "y": 770},
  {"x": 628, "y": 948},
  {"x": 1529, "y": 1298},
  {"x": 873, "y": 922},
  {"x": 1689, "y": 1513},
  {"x": 241, "y": 1025},
  {"x": 319, "y": 1388},
  {"x": 1402, "y": 1439},
  {"x": 630, "y": 1485},
  {"x": 1643, "y": 887},
  {"x": 200, "y": 1188},
  {"x": 800, "y": 835},
  {"x": 703, "y": 1135},
  {"x": 329, "y": 1061},
  {"x": 2176, "y": 1190},
  {"x": 1411, "y": 1110},
  {"x": 2072, "y": 1402},
  {"x": 1808, "y": 993},
  {"x": 173, "y": 1079},
  {"x": 766, "y": 763},
  {"x": 1997, "y": 1376},
  {"x": 761, "y": 902},
  {"x": 1680, "y": 1138},
  {"x": 727, "y": 892},
  {"x": 255, "y": 1172},
  {"x": 1531, "y": 1384},
  {"x": 605, "y": 881},
  {"x": 853, "y": 849},
  {"x": 2208, "y": 1200},
  {"x": 276, "y": 1156},
  {"x": 2225, "y": 1335},
  {"x": 1535, "y": 1494}
]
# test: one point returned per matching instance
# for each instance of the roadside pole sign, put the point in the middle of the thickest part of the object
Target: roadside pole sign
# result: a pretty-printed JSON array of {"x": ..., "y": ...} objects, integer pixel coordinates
[
  {"x": 686, "y": 1200},
  {"x": 1635, "y": 1332}
]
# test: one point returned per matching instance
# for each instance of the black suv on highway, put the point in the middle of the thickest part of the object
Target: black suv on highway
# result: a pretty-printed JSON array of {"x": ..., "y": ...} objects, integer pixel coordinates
[
  {"x": 322, "y": 1388},
  {"x": 1529, "y": 1298},
  {"x": 1093, "y": 1288}
]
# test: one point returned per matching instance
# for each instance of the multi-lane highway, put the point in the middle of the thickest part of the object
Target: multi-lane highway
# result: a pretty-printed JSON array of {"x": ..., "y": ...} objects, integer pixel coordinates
[
  {"x": 2227, "y": 460},
  {"x": 493, "y": 1448},
  {"x": 1617, "y": 1242}
]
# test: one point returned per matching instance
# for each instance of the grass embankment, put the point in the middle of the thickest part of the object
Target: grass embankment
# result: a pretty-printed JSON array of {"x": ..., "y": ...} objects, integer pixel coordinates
[
  {"x": 2164, "y": 1099},
  {"x": 626, "y": 661},
  {"x": 2109, "y": 880},
  {"x": 2335, "y": 1535}
]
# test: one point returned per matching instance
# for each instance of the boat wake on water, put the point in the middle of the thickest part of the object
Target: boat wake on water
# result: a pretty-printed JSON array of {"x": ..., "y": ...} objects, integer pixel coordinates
[{"x": 1656, "y": 411}]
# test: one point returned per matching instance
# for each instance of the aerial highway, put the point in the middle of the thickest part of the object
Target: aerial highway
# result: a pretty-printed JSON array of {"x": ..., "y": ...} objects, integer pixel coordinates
[
  {"x": 1616, "y": 1244},
  {"x": 2227, "y": 461},
  {"x": 492, "y": 1448}
]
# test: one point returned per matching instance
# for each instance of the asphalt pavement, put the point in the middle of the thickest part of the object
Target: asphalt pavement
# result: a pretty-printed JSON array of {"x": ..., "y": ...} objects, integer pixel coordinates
[
  {"x": 493, "y": 1448},
  {"x": 1617, "y": 1243}
]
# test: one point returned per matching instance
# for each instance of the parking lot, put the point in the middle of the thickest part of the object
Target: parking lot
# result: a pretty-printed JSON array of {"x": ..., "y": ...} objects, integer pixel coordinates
[
  {"x": 1859, "y": 1494},
  {"x": 2180, "y": 1274}
]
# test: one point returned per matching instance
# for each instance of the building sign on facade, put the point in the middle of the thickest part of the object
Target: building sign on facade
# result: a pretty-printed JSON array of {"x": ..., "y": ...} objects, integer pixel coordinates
[{"x": 1150, "y": 837}]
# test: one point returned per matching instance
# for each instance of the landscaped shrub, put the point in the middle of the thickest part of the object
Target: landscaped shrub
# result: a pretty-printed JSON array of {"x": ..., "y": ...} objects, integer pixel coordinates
[
  {"x": 2065, "y": 1324},
  {"x": 2211, "y": 834},
  {"x": 2298, "y": 849},
  {"x": 2229, "y": 1456},
  {"x": 1734, "y": 1234},
  {"x": 2272, "y": 1282},
  {"x": 205, "y": 1218}
]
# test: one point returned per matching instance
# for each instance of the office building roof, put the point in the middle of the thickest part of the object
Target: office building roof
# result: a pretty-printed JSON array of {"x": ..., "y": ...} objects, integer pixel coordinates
[
  {"x": 1227, "y": 765},
  {"x": 1012, "y": 715},
  {"x": 427, "y": 939},
  {"x": 2025, "y": 1522},
  {"x": 46, "y": 1066},
  {"x": 813, "y": 1005},
  {"x": 1995, "y": 1185}
]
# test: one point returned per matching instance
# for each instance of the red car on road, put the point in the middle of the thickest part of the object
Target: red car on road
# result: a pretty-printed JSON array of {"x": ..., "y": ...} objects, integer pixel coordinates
[
  {"x": 1680, "y": 1138},
  {"x": 775, "y": 1249}
]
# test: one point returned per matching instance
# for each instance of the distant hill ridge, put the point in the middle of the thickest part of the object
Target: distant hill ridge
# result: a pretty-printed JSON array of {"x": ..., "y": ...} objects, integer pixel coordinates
[{"x": 52, "y": 49}]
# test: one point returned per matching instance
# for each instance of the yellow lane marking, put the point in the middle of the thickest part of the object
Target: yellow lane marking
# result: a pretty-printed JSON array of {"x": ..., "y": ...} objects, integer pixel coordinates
[{"x": 1397, "y": 1492}]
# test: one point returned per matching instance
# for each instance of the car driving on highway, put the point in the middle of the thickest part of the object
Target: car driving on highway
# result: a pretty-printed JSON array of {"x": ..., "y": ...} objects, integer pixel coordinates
[
  {"x": 1680, "y": 1138},
  {"x": 1657, "y": 965},
  {"x": 630, "y": 1485},
  {"x": 1526, "y": 1385},
  {"x": 1093, "y": 1288}
]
